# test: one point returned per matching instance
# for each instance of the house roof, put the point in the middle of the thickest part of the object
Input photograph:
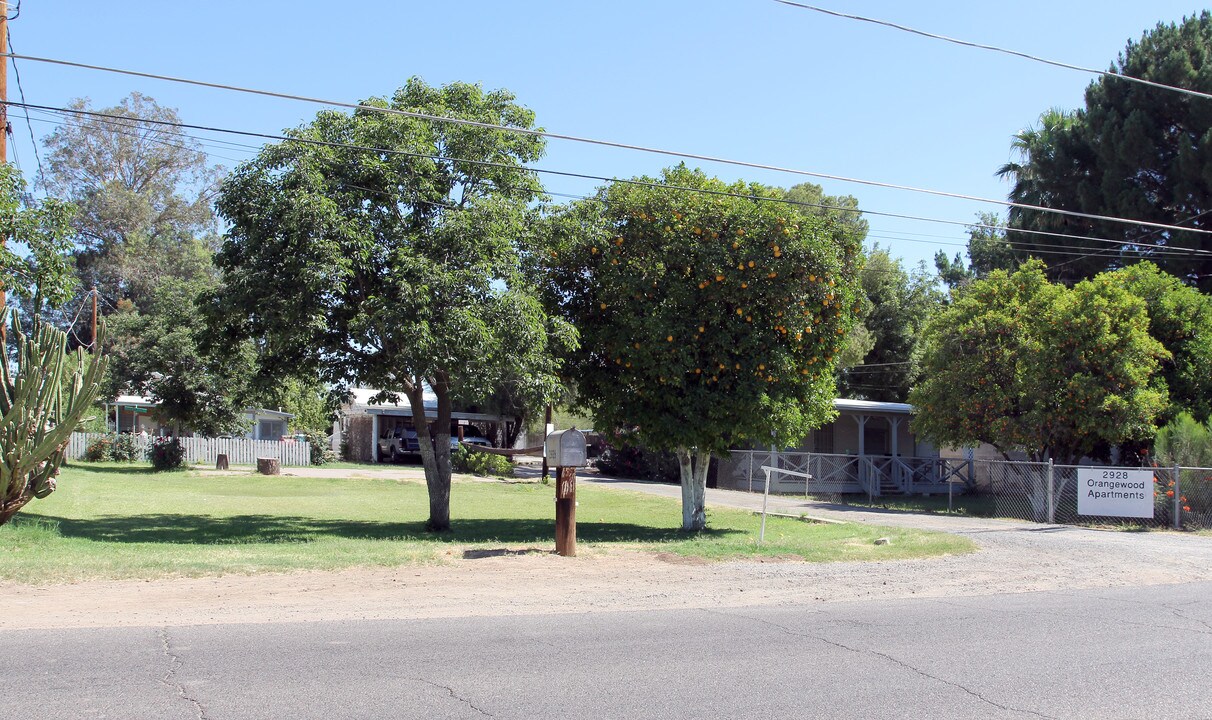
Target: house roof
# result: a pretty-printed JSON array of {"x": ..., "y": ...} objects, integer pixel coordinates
[
  {"x": 360, "y": 402},
  {"x": 140, "y": 401},
  {"x": 871, "y": 406}
]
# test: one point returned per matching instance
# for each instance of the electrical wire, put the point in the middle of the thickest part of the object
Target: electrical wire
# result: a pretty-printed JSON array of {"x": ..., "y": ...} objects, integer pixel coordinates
[
  {"x": 994, "y": 48},
  {"x": 21, "y": 91},
  {"x": 603, "y": 143},
  {"x": 563, "y": 173}
]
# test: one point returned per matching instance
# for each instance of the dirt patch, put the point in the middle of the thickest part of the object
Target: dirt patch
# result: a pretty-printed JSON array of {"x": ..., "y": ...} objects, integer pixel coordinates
[{"x": 530, "y": 580}]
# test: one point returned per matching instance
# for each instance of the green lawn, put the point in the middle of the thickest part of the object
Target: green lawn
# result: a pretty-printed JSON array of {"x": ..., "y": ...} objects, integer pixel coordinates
[
  {"x": 970, "y": 505},
  {"x": 109, "y": 521}
]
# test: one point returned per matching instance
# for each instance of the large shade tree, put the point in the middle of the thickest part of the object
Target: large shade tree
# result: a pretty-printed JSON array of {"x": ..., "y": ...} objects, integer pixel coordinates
[
  {"x": 144, "y": 190},
  {"x": 897, "y": 303},
  {"x": 708, "y": 315},
  {"x": 393, "y": 263},
  {"x": 1133, "y": 151},
  {"x": 1030, "y": 366}
]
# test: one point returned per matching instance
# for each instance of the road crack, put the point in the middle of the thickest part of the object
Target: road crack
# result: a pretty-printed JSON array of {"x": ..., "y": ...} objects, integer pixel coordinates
[
  {"x": 170, "y": 678},
  {"x": 888, "y": 658},
  {"x": 455, "y": 696}
]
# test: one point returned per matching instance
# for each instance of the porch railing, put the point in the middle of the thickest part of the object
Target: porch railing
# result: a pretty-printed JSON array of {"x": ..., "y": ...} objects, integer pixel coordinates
[{"x": 874, "y": 475}]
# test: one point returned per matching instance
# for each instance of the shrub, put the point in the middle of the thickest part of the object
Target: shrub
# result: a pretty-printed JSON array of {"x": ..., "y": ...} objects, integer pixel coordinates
[
  {"x": 630, "y": 461},
  {"x": 166, "y": 453},
  {"x": 480, "y": 463},
  {"x": 124, "y": 449},
  {"x": 99, "y": 450},
  {"x": 321, "y": 447},
  {"x": 114, "y": 447},
  {"x": 1184, "y": 441}
]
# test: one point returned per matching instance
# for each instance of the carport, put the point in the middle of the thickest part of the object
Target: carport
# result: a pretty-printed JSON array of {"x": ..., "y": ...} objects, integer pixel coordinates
[{"x": 381, "y": 417}]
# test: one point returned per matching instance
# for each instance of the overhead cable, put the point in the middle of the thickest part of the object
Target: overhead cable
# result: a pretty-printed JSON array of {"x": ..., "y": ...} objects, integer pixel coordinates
[
  {"x": 586, "y": 176},
  {"x": 994, "y": 48},
  {"x": 604, "y": 143}
]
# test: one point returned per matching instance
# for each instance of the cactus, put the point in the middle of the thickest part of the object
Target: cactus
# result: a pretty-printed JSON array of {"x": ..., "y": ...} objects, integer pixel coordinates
[{"x": 40, "y": 406}]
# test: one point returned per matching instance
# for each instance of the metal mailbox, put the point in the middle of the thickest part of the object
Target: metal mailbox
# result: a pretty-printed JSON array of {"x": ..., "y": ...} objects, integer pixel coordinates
[{"x": 565, "y": 448}]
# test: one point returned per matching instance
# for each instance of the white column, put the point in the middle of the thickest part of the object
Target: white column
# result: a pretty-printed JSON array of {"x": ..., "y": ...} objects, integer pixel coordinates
[
  {"x": 895, "y": 423},
  {"x": 862, "y": 424},
  {"x": 374, "y": 438}
]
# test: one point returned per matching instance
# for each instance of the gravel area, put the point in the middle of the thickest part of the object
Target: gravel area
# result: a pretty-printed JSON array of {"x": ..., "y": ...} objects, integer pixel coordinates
[{"x": 1014, "y": 557}]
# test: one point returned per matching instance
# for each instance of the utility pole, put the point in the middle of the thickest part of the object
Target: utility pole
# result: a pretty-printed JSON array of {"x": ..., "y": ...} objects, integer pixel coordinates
[{"x": 3, "y": 146}]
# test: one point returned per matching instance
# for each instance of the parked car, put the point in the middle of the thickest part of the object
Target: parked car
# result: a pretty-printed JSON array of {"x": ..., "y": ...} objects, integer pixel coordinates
[
  {"x": 470, "y": 437},
  {"x": 398, "y": 441}
]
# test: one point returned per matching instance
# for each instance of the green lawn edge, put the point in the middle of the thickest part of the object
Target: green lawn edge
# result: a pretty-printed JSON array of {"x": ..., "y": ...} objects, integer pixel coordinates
[{"x": 126, "y": 522}]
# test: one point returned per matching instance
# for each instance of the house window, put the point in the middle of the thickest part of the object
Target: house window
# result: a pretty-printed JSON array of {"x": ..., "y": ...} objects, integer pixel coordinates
[
  {"x": 822, "y": 439},
  {"x": 271, "y": 429}
]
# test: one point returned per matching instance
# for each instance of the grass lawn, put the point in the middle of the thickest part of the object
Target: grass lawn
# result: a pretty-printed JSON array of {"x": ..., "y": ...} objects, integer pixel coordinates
[
  {"x": 970, "y": 505},
  {"x": 111, "y": 521}
]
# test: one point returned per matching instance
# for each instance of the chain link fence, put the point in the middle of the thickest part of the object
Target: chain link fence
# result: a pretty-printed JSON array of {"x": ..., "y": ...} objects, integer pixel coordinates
[{"x": 1047, "y": 493}]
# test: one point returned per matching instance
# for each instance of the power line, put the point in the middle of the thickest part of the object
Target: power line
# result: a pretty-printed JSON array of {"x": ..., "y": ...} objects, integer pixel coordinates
[
  {"x": 994, "y": 48},
  {"x": 21, "y": 91},
  {"x": 586, "y": 176},
  {"x": 603, "y": 143},
  {"x": 62, "y": 119}
]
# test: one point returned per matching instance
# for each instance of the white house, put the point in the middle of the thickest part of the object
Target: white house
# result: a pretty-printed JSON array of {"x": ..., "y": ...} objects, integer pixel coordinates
[
  {"x": 135, "y": 414},
  {"x": 868, "y": 448}
]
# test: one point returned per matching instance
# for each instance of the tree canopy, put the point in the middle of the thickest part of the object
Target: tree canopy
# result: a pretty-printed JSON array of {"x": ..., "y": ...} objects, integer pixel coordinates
[
  {"x": 1132, "y": 151},
  {"x": 1031, "y": 366},
  {"x": 1180, "y": 318},
  {"x": 896, "y": 305},
  {"x": 396, "y": 266},
  {"x": 705, "y": 318},
  {"x": 988, "y": 250},
  {"x": 35, "y": 261}
]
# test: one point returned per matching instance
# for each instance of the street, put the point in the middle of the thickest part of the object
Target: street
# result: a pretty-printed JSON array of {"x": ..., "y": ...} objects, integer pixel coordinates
[{"x": 1100, "y": 653}]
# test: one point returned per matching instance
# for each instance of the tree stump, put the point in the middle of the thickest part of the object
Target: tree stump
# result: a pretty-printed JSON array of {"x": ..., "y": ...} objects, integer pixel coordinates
[
  {"x": 269, "y": 466},
  {"x": 221, "y": 461}
]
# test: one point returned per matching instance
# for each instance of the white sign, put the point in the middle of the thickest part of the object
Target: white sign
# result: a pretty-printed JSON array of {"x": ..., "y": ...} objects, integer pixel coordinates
[{"x": 1115, "y": 492}]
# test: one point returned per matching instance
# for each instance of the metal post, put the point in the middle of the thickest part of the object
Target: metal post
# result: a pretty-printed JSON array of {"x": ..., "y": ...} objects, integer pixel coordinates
[
  {"x": 546, "y": 431},
  {"x": 1178, "y": 506},
  {"x": 751, "y": 471},
  {"x": 765, "y": 497},
  {"x": 374, "y": 438},
  {"x": 950, "y": 485},
  {"x": 1051, "y": 494}
]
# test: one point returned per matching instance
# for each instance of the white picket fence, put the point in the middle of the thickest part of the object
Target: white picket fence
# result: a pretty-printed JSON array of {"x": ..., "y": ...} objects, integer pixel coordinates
[{"x": 201, "y": 450}]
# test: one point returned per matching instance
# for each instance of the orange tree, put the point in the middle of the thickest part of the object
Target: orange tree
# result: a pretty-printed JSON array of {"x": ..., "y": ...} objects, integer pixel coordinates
[
  {"x": 708, "y": 313},
  {"x": 1031, "y": 366}
]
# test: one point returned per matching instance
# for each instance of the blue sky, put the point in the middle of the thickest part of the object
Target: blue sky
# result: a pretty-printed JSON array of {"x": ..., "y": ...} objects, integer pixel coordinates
[{"x": 742, "y": 79}]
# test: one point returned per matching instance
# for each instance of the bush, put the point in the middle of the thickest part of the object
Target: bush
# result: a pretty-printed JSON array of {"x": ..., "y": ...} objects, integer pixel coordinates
[
  {"x": 124, "y": 448},
  {"x": 1184, "y": 441},
  {"x": 630, "y": 461},
  {"x": 480, "y": 463},
  {"x": 116, "y": 448},
  {"x": 99, "y": 450},
  {"x": 166, "y": 453},
  {"x": 321, "y": 447}
]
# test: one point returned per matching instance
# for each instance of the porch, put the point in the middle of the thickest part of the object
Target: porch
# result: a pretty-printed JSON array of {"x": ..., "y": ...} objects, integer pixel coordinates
[
  {"x": 827, "y": 473},
  {"x": 869, "y": 448}
]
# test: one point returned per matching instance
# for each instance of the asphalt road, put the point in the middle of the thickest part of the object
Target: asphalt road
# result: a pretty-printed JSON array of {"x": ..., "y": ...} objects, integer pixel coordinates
[{"x": 1111, "y": 653}]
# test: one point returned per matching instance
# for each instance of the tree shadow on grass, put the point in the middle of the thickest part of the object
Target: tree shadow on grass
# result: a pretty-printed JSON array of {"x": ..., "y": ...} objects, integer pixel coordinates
[
  {"x": 251, "y": 529},
  {"x": 112, "y": 469}
]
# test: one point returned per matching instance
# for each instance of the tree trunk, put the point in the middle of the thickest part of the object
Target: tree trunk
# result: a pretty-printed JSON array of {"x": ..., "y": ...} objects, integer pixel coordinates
[
  {"x": 269, "y": 466},
  {"x": 434, "y": 439},
  {"x": 693, "y": 466}
]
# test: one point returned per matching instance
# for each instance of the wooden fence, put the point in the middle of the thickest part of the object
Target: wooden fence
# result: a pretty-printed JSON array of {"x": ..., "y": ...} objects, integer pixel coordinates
[{"x": 201, "y": 450}]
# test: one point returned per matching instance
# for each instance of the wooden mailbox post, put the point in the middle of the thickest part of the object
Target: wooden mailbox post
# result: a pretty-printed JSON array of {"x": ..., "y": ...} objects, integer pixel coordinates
[{"x": 566, "y": 451}]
